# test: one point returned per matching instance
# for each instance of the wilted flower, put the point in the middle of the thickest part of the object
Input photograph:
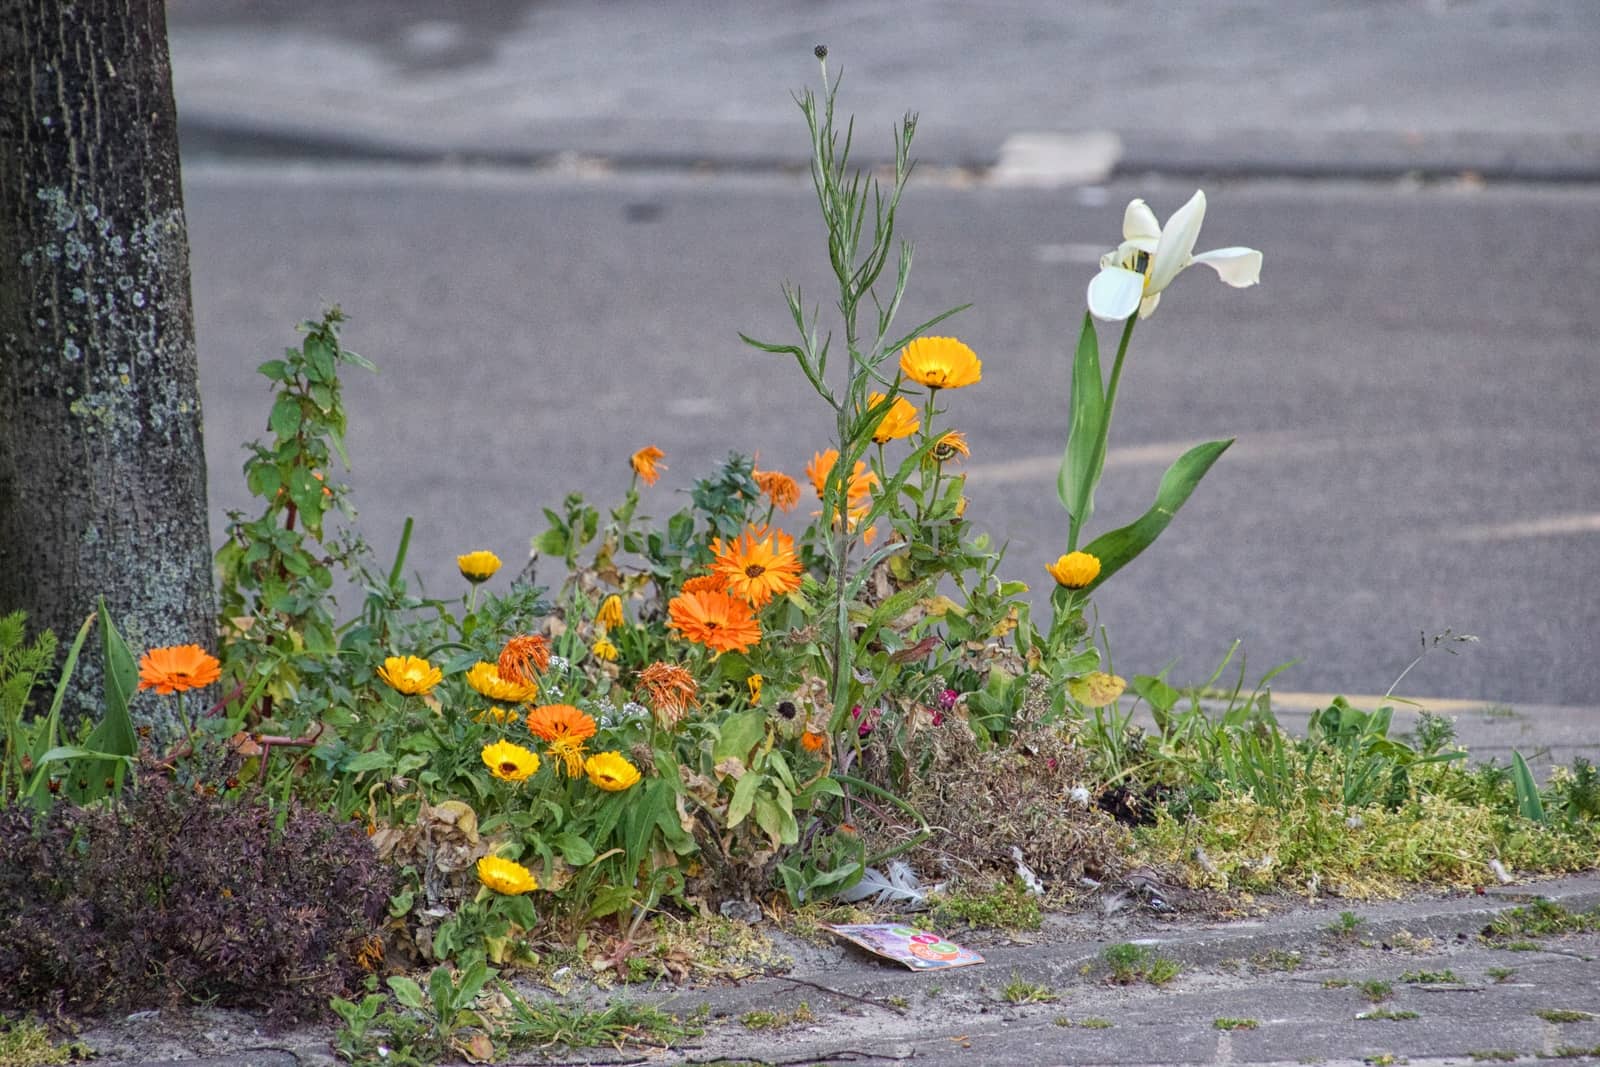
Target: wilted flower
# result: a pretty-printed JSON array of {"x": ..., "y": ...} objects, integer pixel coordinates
[
  {"x": 178, "y": 669},
  {"x": 940, "y": 363},
  {"x": 1075, "y": 570},
  {"x": 506, "y": 876},
  {"x": 757, "y": 565},
  {"x": 611, "y": 771},
  {"x": 949, "y": 446},
  {"x": 604, "y": 649},
  {"x": 671, "y": 691},
  {"x": 610, "y": 613},
  {"x": 1133, "y": 275},
  {"x": 647, "y": 464},
  {"x": 485, "y": 678},
  {"x": 782, "y": 490},
  {"x": 510, "y": 762},
  {"x": 409, "y": 674},
  {"x": 478, "y": 566},
  {"x": 718, "y": 621},
  {"x": 753, "y": 684},
  {"x": 900, "y": 420},
  {"x": 524, "y": 658}
]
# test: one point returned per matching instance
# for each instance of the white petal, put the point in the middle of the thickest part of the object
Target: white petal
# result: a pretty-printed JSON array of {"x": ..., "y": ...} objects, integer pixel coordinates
[
  {"x": 1147, "y": 306},
  {"x": 1114, "y": 293},
  {"x": 1177, "y": 242},
  {"x": 1239, "y": 267},
  {"x": 1139, "y": 222}
]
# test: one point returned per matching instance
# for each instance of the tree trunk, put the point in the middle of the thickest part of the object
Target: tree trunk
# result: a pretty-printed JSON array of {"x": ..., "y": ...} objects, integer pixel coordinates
[{"x": 102, "y": 473}]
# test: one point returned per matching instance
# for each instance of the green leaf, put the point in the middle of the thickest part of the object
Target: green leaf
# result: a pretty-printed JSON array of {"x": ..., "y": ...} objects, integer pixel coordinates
[
  {"x": 740, "y": 733},
  {"x": 1529, "y": 806},
  {"x": 1085, "y": 454},
  {"x": 275, "y": 369},
  {"x": 573, "y": 848},
  {"x": 407, "y": 992},
  {"x": 114, "y": 733},
  {"x": 285, "y": 418},
  {"x": 367, "y": 761},
  {"x": 1117, "y": 548},
  {"x": 744, "y": 795},
  {"x": 320, "y": 364}
]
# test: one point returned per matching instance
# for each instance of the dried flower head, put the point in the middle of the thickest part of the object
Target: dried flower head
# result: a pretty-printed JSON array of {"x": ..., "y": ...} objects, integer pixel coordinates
[
  {"x": 510, "y": 762},
  {"x": 610, "y": 614},
  {"x": 718, "y": 621},
  {"x": 940, "y": 363},
  {"x": 478, "y": 566},
  {"x": 409, "y": 674},
  {"x": 611, "y": 771},
  {"x": 950, "y": 446},
  {"x": 603, "y": 649},
  {"x": 670, "y": 690},
  {"x": 757, "y": 565},
  {"x": 524, "y": 658},
  {"x": 782, "y": 490},
  {"x": 753, "y": 684},
  {"x": 177, "y": 669},
  {"x": 506, "y": 876},
  {"x": 647, "y": 464}
]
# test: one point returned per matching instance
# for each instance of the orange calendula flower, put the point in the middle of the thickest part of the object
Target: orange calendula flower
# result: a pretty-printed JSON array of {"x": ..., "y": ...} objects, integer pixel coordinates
[
  {"x": 610, "y": 614},
  {"x": 940, "y": 363},
  {"x": 817, "y": 470},
  {"x": 758, "y": 565},
  {"x": 611, "y": 771},
  {"x": 409, "y": 674},
  {"x": 525, "y": 657},
  {"x": 647, "y": 464},
  {"x": 813, "y": 740},
  {"x": 177, "y": 669},
  {"x": 782, "y": 490},
  {"x": 485, "y": 678},
  {"x": 705, "y": 583},
  {"x": 1075, "y": 570},
  {"x": 862, "y": 481},
  {"x": 510, "y": 762},
  {"x": 670, "y": 691},
  {"x": 950, "y": 446},
  {"x": 899, "y": 421},
  {"x": 721, "y": 622},
  {"x": 478, "y": 566},
  {"x": 564, "y": 728}
]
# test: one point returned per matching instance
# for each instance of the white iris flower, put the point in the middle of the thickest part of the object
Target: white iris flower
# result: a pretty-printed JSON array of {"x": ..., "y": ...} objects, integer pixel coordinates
[{"x": 1121, "y": 287}]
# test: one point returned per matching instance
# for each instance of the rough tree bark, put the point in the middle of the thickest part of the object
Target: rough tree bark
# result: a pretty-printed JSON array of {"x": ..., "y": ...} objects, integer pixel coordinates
[{"x": 102, "y": 473}]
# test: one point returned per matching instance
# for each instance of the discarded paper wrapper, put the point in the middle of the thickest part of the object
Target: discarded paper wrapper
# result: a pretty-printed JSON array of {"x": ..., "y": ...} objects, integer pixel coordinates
[{"x": 917, "y": 949}]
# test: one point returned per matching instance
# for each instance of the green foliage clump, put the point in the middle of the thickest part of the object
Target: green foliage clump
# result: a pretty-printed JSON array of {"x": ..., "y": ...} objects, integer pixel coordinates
[
  {"x": 1128, "y": 963},
  {"x": 182, "y": 893},
  {"x": 1008, "y": 906}
]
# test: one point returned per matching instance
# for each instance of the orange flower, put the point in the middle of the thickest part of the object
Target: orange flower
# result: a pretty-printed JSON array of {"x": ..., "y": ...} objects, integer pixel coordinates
[
  {"x": 565, "y": 729},
  {"x": 720, "y": 622},
  {"x": 177, "y": 669},
  {"x": 949, "y": 446},
  {"x": 758, "y": 565},
  {"x": 671, "y": 692},
  {"x": 812, "y": 741},
  {"x": 862, "y": 481},
  {"x": 817, "y": 470},
  {"x": 705, "y": 583},
  {"x": 940, "y": 363},
  {"x": 899, "y": 421},
  {"x": 782, "y": 490},
  {"x": 525, "y": 657},
  {"x": 646, "y": 462}
]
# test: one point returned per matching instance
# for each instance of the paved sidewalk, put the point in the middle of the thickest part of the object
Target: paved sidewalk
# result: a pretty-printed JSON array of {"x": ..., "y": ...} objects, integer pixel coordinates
[{"x": 1043, "y": 92}]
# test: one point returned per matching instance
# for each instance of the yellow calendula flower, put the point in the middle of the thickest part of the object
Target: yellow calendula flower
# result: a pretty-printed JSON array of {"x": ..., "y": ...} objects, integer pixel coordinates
[
  {"x": 604, "y": 649},
  {"x": 610, "y": 613},
  {"x": 506, "y": 876},
  {"x": 611, "y": 771},
  {"x": 753, "y": 683},
  {"x": 940, "y": 363},
  {"x": 497, "y": 715},
  {"x": 486, "y": 679},
  {"x": 899, "y": 421},
  {"x": 478, "y": 566},
  {"x": 410, "y": 675},
  {"x": 1075, "y": 570},
  {"x": 510, "y": 762}
]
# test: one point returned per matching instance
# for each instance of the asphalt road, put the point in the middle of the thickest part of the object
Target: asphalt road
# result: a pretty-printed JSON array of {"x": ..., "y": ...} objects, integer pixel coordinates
[{"x": 1412, "y": 385}]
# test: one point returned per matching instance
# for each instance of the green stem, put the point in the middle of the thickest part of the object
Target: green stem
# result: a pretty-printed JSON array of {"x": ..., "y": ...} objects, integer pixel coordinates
[{"x": 1073, "y": 527}]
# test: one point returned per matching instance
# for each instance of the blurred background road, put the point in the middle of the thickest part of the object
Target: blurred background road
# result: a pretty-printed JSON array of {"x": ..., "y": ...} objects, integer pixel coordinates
[{"x": 547, "y": 221}]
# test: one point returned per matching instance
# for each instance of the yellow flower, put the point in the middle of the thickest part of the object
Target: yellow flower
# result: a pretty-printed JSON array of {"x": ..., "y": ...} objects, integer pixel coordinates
[
  {"x": 645, "y": 463},
  {"x": 1096, "y": 689},
  {"x": 611, "y": 771},
  {"x": 753, "y": 683},
  {"x": 1075, "y": 570},
  {"x": 409, "y": 674},
  {"x": 604, "y": 649},
  {"x": 496, "y": 715},
  {"x": 940, "y": 363},
  {"x": 899, "y": 421},
  {"x": 478, "y": 566},
  {"x": 610, "y": 614},
  {"x": 510, "y": 762},
  {"x": 506, "y": 876},
  {"x": 486, "y": 679}
]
